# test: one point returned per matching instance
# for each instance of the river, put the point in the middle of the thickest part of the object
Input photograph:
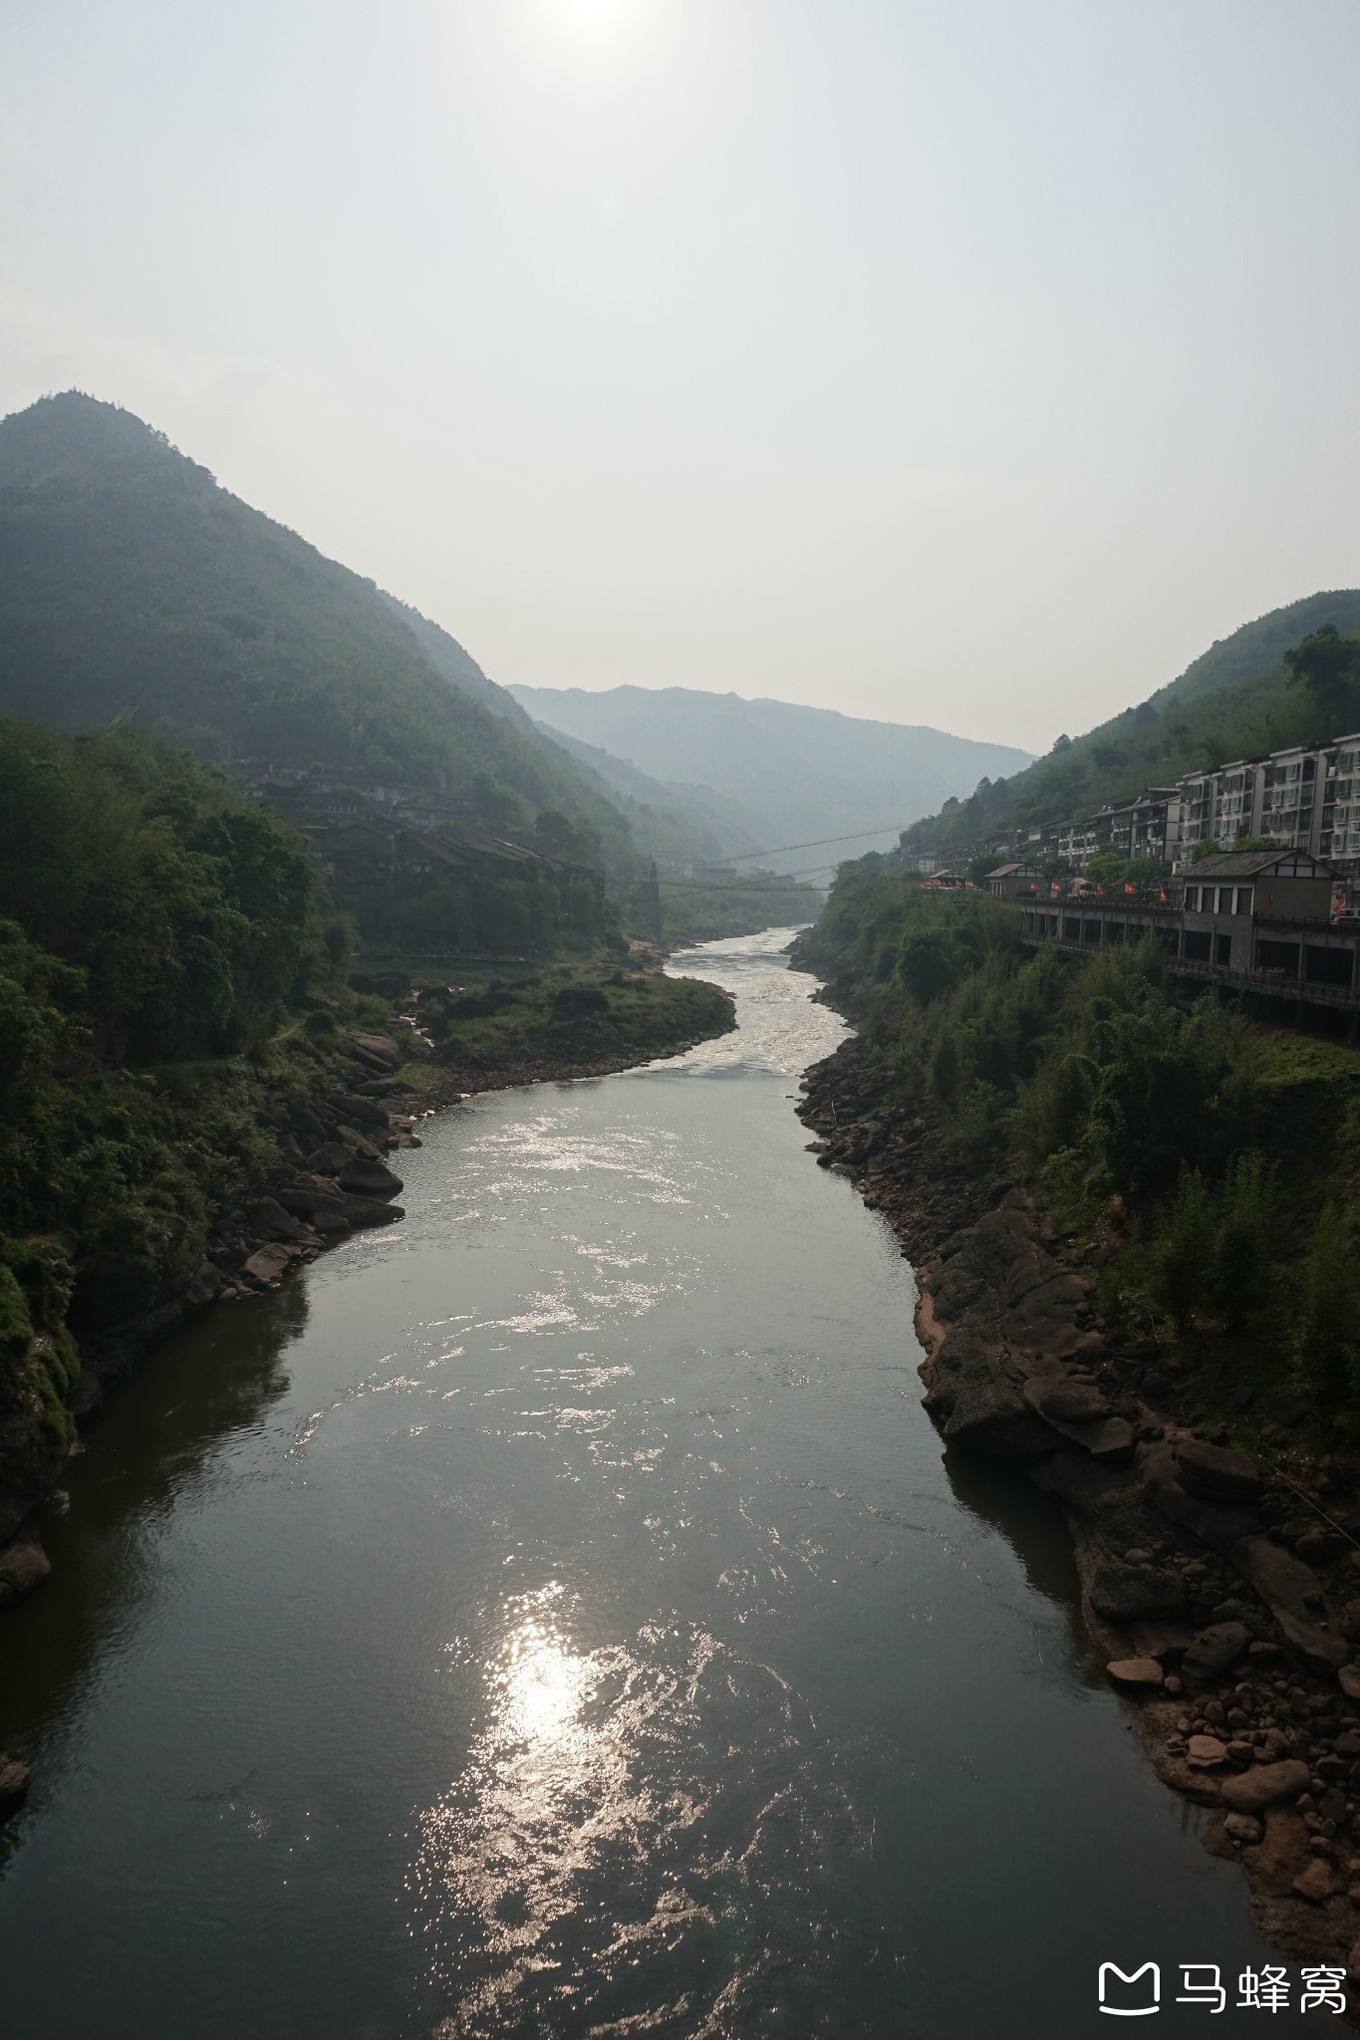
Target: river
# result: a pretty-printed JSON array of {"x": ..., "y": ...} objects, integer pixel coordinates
[{"x": 555, "y": 1616}]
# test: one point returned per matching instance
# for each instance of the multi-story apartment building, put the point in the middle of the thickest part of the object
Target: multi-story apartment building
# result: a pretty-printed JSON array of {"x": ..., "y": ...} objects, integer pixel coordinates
[
  {"x": 1303, "y": 798},
  {"x": 1340, "y": 831},
  {"x": 1149, "y": 826},
  {"x": 1290, "y": 810},
  {"x": 1236, "y": 797}
]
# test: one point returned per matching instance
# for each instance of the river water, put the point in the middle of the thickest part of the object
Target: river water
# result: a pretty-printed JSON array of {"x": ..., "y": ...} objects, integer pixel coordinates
[{"x": 554, "y": 1616}]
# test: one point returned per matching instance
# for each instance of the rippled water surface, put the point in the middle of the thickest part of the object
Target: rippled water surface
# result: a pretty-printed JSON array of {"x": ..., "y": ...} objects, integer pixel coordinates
[{"x": 553, "y": 1616}]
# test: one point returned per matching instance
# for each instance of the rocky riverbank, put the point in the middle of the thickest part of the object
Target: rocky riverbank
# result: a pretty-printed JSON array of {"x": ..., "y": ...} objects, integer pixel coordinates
[
  {"x": 333, "y": 1177},
  {"x": 1222, "y": 1595}
]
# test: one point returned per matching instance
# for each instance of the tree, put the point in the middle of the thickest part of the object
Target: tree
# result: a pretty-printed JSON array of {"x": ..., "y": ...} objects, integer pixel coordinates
[
  {"x": 1107, "y": 867},
  {"x": 1327, "y": 666}
]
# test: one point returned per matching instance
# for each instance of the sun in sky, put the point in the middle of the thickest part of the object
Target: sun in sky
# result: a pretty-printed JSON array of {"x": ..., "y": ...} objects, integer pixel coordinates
[{"x": 602, "y": 39}]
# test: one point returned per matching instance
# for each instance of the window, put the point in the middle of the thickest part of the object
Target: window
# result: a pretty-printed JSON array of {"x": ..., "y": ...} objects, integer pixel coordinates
[{"x": 1282, "y": 956}]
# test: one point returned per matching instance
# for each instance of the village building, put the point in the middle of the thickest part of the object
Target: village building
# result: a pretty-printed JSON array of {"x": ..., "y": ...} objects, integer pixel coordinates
[
  {"x": 1016, "y": 881},
  {"x": 1270, "y": 920}
]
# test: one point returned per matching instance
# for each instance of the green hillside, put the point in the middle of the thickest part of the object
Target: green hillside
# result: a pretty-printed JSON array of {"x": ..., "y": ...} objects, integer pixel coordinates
[
  {"x": 130, "y": 581},
  {"x": 1234, "y": 701}
]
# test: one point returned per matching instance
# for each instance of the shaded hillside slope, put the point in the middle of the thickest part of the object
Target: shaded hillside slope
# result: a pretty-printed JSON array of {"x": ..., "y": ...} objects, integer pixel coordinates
[
  {"x": 130, "y": 581},
  {"x": 799, "y": 772}
]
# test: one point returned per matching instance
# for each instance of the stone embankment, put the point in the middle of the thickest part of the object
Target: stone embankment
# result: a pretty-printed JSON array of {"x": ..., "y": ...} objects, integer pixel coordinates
[{"x": 1223, "y": 1601}]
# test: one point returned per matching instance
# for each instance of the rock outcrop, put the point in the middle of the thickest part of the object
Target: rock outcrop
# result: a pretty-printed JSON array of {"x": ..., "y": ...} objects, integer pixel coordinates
[{"x": 1227, "y": 1613}]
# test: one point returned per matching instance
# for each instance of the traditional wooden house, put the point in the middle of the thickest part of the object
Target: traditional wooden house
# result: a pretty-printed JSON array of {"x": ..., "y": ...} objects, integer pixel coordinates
[
  {"x": 1016, "y": 881},
  {"x": 1271, "y": 910}
]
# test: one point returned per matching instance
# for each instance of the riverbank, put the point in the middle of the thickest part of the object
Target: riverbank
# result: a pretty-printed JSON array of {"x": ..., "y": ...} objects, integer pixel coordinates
[
  {"x": 1222, "y": 1600},
  {"x": 608, "y": 1462},
  {"x": 560, "y": 1024},
  {"x": 325, "y": 1120}
]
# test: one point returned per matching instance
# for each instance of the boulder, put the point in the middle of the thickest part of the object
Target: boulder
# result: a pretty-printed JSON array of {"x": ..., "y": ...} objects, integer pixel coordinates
[
  {"x": 977, "y": 1403},
  {"x": 1066, "y": 1402},
  {"x": 14, "y": 1778},
  {"x": 1111, "y": 1440},
  {"x": 1130, "y": 1593},
  {"x": 206, "y": 1283},
  {"x": 361, "y": 1211},
  {"x": 1214, "y": 1473},
  {"x": 23, "y": 1564},
  {"x": 1214, "y": 1649},
  {"x": 269, "y": 1265},
  {"x": 329, "y": 1159},
  {"x": 1318, "y": 1880},
  {"x": 358, "y": 1111},
  {"x": 1243, "y": 1828},
  {"x": 364, "y": 1178},
  {"x": 1290, "y": 1590},
  {"x": 358, "y": 1143},
  {"x": 1278, "y": 1858},
  {"x": 267, "y": 1217},
  {"x": 379, "y": 1049},
  {"x": 1265, "y": 1785},
  {"x": 1137, "y": 1674},
  {"x": 303, "y": 1202},
  {"x": 1203, "y": 1752}
]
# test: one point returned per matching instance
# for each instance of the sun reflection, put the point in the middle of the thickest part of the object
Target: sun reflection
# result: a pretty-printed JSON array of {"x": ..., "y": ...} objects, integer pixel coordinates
[
  {"x": 619, "y": 1811},
  {"x": 541, "y": 1685}
]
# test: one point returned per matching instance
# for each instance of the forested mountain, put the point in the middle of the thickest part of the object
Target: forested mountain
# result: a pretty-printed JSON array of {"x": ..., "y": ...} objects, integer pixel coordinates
[
  {"x": 798, "y": 773},
  {"x": 130, "y": 581},
  {"x": 1235, "y": 701}
]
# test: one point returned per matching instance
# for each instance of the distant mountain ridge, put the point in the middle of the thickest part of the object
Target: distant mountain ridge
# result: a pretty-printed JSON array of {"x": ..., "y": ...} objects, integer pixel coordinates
[{"x": 798, "y": 773}]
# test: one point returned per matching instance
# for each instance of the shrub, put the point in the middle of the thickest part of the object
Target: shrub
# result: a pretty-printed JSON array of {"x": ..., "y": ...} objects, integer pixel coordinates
[
  {"x": 1327, "y": 1338},
  {"x": 1187, "y": 1248}
]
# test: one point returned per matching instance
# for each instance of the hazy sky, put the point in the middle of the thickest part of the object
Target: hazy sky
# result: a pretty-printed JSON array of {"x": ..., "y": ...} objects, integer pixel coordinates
[{"x": 974, "y": 362}]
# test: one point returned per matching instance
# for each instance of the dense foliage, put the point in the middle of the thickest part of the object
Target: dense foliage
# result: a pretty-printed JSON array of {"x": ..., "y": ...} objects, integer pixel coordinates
[
  {"x": 1163, "y": 1132},
  {"x": 568, "y": 1016},
  {"x": 159, "y": 914},
  {"x": 163, "y": 953}
]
